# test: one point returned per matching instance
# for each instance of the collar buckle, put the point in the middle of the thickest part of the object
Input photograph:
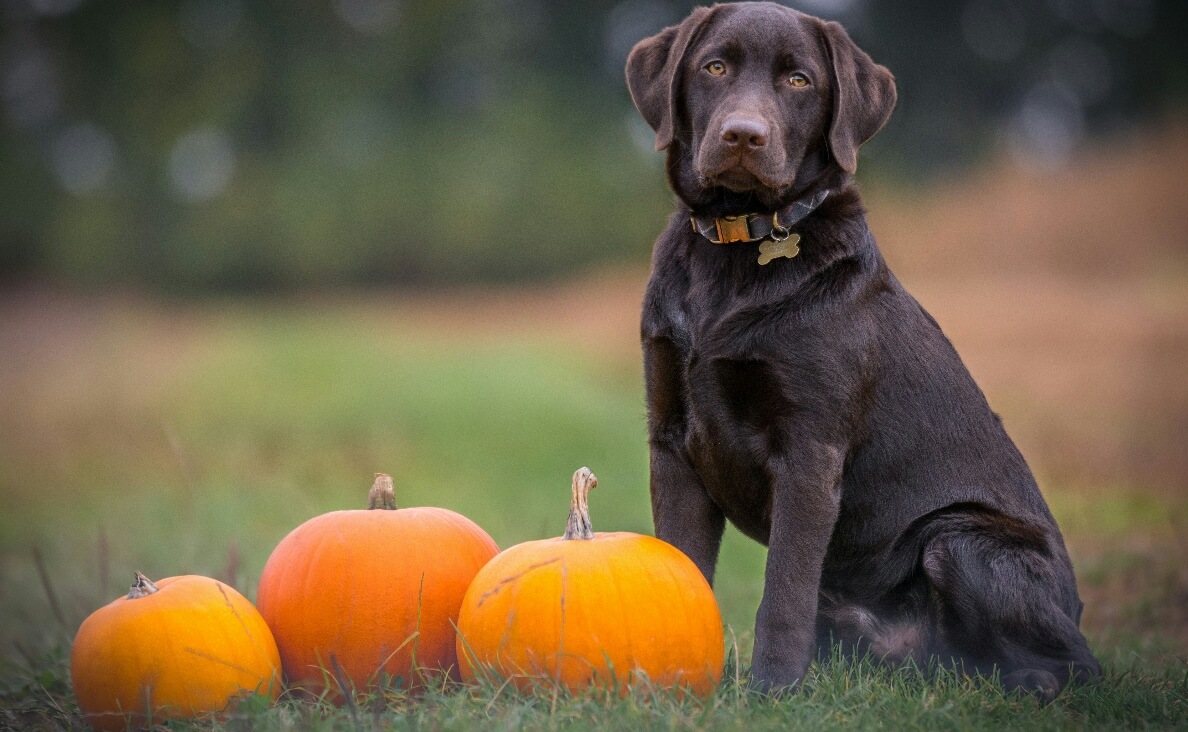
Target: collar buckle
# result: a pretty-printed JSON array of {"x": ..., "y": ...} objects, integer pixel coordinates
[{"x": 733, "y": 228}]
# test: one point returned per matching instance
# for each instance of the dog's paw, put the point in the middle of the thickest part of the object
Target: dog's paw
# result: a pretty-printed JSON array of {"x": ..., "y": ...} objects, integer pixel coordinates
[
  {"x": 774, "y": 680},
  {"x": 1042, "y": 684}
]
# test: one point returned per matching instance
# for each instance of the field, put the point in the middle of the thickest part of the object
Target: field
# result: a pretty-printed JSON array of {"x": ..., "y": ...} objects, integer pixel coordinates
[{"x": 189, "y": 437}]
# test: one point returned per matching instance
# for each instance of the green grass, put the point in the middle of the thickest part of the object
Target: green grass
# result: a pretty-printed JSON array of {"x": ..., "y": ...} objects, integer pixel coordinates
[
  {"x": 268, "y": 417},
  {"x": 836, "y": 695}
]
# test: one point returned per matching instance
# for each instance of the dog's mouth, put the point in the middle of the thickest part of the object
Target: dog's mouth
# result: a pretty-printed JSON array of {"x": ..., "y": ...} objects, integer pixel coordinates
[{"x": 740, "y": 178}]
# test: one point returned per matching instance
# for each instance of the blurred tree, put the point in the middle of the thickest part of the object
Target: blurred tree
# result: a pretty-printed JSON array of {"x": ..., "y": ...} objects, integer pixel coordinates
[{"x": 230, "y": 145}]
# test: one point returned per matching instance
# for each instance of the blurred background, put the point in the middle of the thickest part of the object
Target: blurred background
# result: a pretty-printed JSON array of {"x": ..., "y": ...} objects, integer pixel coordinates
[
  {"x": 253, "y": 252},
  {"x": 232, "y": 146}
]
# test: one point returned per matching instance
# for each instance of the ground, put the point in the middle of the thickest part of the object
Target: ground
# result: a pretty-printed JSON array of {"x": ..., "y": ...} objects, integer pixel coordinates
[{"x": 189, "y": 437}]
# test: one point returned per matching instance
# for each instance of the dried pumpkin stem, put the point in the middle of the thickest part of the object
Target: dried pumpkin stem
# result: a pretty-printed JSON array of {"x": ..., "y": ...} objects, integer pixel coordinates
[
  {"x": 579, "y": 526},
  {"x": 382, "y": 494},
  {"x": 142, "y": 587}
]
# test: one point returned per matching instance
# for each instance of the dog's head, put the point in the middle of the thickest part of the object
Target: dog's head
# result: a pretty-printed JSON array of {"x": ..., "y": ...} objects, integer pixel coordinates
[{"x": 756, "y": 102}]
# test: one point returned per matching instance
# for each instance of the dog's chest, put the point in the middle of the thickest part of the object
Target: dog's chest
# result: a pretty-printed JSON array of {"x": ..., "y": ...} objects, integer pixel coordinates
[{"x": 731, "y": 403}]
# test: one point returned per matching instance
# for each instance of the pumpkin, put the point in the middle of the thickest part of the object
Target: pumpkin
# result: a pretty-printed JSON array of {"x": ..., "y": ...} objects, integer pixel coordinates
[
  {"x": 177, "y": 648},
  {"x": 353, "y": 596},
  {"x": 602, "y": 609}
]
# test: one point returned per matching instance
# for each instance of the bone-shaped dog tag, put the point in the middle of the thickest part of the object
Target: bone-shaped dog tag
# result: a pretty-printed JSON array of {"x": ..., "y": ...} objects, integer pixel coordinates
[{"x": 769, "y": 250}]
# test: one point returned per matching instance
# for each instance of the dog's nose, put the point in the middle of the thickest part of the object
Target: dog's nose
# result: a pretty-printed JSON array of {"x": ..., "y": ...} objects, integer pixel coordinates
[{"x": 745, "y": 132}]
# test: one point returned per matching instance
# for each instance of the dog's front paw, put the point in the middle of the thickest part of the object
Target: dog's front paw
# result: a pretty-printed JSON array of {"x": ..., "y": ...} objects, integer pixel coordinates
[{"x": 775, "y": 678}]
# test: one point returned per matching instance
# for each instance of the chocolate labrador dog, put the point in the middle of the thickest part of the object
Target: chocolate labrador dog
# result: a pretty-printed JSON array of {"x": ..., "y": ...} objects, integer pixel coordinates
[{"x": 795, "y": 388}]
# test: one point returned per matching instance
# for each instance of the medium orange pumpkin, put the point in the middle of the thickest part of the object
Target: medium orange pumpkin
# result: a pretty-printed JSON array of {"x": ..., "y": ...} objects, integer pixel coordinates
[
  {"x": 181, "y": 647},
  {"x": 355, "y": 595},
  {"x": 592, "y": 608}
]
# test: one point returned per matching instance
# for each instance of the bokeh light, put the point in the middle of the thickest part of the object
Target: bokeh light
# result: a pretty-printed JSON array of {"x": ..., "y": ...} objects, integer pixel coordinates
[
  {"x": 84, "y": 157},
  {"x": 201, "y": 164}
]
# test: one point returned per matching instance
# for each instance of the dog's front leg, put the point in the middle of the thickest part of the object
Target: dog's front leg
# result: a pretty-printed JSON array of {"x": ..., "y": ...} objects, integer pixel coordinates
[
  {"x": 804, "y": 509},
  {"x": 682, "y": 511}
]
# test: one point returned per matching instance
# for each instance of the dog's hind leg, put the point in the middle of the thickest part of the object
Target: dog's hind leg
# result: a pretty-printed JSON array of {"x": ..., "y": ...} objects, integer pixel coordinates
[{"x": 1008, "y": 601}]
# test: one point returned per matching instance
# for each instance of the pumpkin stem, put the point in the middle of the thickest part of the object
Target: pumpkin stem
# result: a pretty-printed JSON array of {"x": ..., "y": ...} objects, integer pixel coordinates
[
  {"x": 382, "y": 495},
  {"x": 142, "y": 587},
  {"x": 579, "y": 526}
]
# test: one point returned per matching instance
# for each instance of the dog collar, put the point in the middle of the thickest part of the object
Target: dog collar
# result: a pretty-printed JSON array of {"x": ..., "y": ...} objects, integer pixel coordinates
[{"x": 754, "y": 227}]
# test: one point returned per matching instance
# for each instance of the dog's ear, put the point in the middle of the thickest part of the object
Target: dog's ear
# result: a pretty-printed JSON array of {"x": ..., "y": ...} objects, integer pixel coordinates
[
  {"x": 863, "y": 96},
  {"x": 653, "y": 73}
]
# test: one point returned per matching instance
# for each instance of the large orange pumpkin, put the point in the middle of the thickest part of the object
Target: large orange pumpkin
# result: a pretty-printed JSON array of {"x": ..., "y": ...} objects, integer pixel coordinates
[
  {"x": 181, "y": 647},
  {"x": 592, "y": 608},
  {"x": 354, "y": 596}
]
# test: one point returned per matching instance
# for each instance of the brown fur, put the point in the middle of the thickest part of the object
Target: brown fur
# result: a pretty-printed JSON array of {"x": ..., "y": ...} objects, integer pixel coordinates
[{"x": 812, "y": 402}]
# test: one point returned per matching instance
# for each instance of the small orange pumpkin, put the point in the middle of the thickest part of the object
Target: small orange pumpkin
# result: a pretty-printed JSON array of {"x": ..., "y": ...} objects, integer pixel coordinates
[
  {"x": 355, "y": 595},
  {"x": 181, "y": 647},
  {"x": 592, "y": 608}
]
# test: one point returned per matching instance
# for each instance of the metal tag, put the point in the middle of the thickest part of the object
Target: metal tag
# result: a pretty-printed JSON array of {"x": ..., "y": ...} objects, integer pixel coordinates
[{"x": 770, "y": 250}]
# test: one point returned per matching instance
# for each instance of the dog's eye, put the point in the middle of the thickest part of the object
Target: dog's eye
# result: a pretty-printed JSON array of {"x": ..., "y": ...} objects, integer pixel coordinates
[
  {"x": 717, "y": 68},
  {"x": 798, "y": 80}
]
